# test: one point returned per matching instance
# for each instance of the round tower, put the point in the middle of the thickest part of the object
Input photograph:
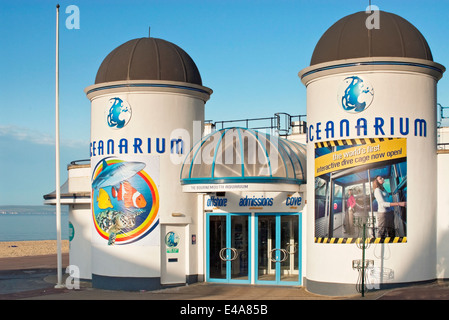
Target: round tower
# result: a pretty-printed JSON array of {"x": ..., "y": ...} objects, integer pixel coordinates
[
  {"x": 147, "y": 110},
  {"x": 371, "y": 112}
]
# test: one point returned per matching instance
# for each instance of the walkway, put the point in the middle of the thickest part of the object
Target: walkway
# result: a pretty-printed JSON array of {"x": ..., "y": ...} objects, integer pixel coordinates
[{"x": 35, "y": 277}]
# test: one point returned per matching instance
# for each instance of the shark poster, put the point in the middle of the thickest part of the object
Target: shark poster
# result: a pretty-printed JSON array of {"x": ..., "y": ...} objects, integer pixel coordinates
[{"x": 125, "y": 200}]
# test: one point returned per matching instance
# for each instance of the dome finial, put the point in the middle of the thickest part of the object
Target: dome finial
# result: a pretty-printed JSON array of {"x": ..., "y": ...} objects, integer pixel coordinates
[{"x": 149, "y": 31}]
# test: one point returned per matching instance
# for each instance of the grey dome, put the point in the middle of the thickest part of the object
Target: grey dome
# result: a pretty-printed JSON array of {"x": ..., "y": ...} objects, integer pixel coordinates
[
  {"x": 148, "y": 59},
  {"x": 242, "y": 155},
  {"x": 349, "y": 38}
]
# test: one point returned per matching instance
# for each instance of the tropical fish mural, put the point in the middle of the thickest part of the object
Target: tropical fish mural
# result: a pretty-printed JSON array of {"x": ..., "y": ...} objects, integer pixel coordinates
[
  {"x": 126, "y": 203},
  {"x": 113, "y": 174},
  {"x": 103, "y": 200},
  {"x": 130, "y": 196},
  {"x": 113, "y": 222}
]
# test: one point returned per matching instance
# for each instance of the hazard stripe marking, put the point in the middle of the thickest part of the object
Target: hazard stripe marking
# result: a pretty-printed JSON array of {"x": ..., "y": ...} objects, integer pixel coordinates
[
  {"x": 349, "y": 142},
  {"x": 359, "y": 240}
]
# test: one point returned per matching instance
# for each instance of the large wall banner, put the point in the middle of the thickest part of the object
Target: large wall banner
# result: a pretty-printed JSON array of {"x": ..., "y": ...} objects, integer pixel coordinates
[
  {"x": 125, "y": 200},
  {"x": 361, "y": 182}
]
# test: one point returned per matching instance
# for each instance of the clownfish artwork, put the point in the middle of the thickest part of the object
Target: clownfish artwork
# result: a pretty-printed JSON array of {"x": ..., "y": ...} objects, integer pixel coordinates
[
  {"x": 104, "y": 202},
  {"x": 130, "y": 196}
]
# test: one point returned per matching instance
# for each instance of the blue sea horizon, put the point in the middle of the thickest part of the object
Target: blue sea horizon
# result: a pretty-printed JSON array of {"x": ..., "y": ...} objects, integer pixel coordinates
[{"x": 31, "y": 223}]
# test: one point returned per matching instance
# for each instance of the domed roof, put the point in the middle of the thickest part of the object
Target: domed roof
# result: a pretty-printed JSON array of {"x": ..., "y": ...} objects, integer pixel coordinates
[
  {"x": 241, "y": 155},
  {"x": 148, "y": 59},
  {"x": 350, "y": 38}
]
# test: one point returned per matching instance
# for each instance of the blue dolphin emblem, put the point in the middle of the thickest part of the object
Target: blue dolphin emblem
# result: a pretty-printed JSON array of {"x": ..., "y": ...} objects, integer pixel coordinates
[
  {"x": 114, "y": 113},
  {"x": 350, "y": 99}
]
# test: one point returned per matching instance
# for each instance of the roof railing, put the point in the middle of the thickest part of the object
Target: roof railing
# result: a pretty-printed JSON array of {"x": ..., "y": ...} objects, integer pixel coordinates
[
  {"x": 281, "y": 123},
  {"x": 80, "y": 162}
]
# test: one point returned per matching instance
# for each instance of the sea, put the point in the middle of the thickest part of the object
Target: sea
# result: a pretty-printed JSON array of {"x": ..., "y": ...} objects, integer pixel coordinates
[{"x": 29, "y": 223}]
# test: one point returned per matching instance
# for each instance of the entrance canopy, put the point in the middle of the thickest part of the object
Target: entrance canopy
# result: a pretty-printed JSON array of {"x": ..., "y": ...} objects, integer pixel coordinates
[{"x": 233, "y": 159}]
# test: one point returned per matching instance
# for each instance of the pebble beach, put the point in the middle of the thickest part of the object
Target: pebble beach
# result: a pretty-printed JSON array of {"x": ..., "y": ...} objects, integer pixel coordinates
[{"x": 31, "y": 248}]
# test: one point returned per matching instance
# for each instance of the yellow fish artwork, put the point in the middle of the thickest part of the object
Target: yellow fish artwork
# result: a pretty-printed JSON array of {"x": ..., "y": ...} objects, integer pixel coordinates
[{"x": 103, "y": 200}]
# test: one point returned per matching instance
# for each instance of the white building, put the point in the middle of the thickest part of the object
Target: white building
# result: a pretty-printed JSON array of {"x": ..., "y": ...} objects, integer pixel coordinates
[
  {"x": 173, "y": 204},
  {"x": 371, "y": 111}
]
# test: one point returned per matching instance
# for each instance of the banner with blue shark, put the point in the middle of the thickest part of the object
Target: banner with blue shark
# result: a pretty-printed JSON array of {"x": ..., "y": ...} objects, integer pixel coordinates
[{"x": 125, "y": 200}]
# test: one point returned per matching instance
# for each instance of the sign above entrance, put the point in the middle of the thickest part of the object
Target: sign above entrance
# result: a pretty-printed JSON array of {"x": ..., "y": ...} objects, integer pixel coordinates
[
  {"x": 255, "y": 187},
  {"x": 255, "y": 202}
]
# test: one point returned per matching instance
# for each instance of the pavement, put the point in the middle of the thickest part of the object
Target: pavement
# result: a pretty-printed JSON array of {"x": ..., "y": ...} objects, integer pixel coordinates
[{"x": 34, "y": 278}]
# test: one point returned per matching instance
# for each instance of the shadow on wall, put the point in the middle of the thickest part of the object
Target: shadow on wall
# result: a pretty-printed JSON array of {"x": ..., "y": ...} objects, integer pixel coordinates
[
  {"x": 442, "y": 267},
  {"x": 126, "y": 267}
]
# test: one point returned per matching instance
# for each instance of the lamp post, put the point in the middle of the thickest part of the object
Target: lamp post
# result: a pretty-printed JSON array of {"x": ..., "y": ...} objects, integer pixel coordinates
[{"x": 363, "y": 244}]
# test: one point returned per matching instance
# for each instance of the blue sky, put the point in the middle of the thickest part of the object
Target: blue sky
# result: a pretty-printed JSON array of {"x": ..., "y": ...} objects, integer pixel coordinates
[{"x": 249, "y": 52}]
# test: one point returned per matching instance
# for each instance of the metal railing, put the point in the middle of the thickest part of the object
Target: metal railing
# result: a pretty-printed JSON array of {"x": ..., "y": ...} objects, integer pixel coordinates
[
  {"x": 441, "y": 114},
  {"x": 443, "y": 146},
  {"x": 281, "y": 123},
  {"x": 80, "y": 162}
]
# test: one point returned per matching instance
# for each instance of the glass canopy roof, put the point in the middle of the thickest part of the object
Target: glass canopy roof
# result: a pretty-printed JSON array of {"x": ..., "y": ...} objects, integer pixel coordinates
[{"x": 241, "y": 155}]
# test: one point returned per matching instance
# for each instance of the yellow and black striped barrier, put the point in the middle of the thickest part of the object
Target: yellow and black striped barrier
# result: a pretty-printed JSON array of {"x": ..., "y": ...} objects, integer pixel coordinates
[
  {"x": 349, "y": 142},
  {"x": 358, "y": 240}
]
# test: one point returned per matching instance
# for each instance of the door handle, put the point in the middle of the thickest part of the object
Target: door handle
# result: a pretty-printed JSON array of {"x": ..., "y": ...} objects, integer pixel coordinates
[
  {"x": 291, "y": 247},
  {"x": 236, "y": 254},
  {"x": 224, "y": 256},
  {"x": 284, "y": 254},
  {"x": 222, "y": 253}
]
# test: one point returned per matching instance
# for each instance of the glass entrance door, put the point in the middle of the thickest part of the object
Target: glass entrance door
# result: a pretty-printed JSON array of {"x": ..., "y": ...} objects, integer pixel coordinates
[
  {"x": 228, "y": 248},
  {"x": 278, "y": 249}
]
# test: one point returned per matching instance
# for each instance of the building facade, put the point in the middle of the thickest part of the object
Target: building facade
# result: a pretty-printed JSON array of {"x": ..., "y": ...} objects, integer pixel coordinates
[{"x": 172, "y": 205}]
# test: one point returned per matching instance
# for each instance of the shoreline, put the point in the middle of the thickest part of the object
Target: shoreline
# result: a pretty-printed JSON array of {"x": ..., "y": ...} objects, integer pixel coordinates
[{"x": 14, "y": 249}]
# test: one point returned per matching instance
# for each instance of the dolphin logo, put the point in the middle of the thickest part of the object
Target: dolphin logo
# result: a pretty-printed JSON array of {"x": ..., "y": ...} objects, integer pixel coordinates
[
  {"x": 357, "y": 94},
  {"x": 119, "y": 113},
  {"x": 113, "y": 174}
]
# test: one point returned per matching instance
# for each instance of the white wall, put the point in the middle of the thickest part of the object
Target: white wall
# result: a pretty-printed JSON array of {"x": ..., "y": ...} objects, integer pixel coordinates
[
  {"x": 397, "y": 94},
  {"x": 155, "y": 114},
  {"x": 80, "y": 216},
  {"x": 443, "y": 217}
]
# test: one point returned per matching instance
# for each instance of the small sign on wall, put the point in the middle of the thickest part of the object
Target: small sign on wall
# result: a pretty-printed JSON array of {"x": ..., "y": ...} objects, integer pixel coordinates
[{"x": 171, "y": 242}]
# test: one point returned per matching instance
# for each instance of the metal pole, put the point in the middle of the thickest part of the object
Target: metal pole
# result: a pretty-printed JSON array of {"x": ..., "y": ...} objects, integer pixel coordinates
[
  {"x": 363, "y": 260},
  {"x": 371, "y": 203},
  {"x": 58, "y": 183}
]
